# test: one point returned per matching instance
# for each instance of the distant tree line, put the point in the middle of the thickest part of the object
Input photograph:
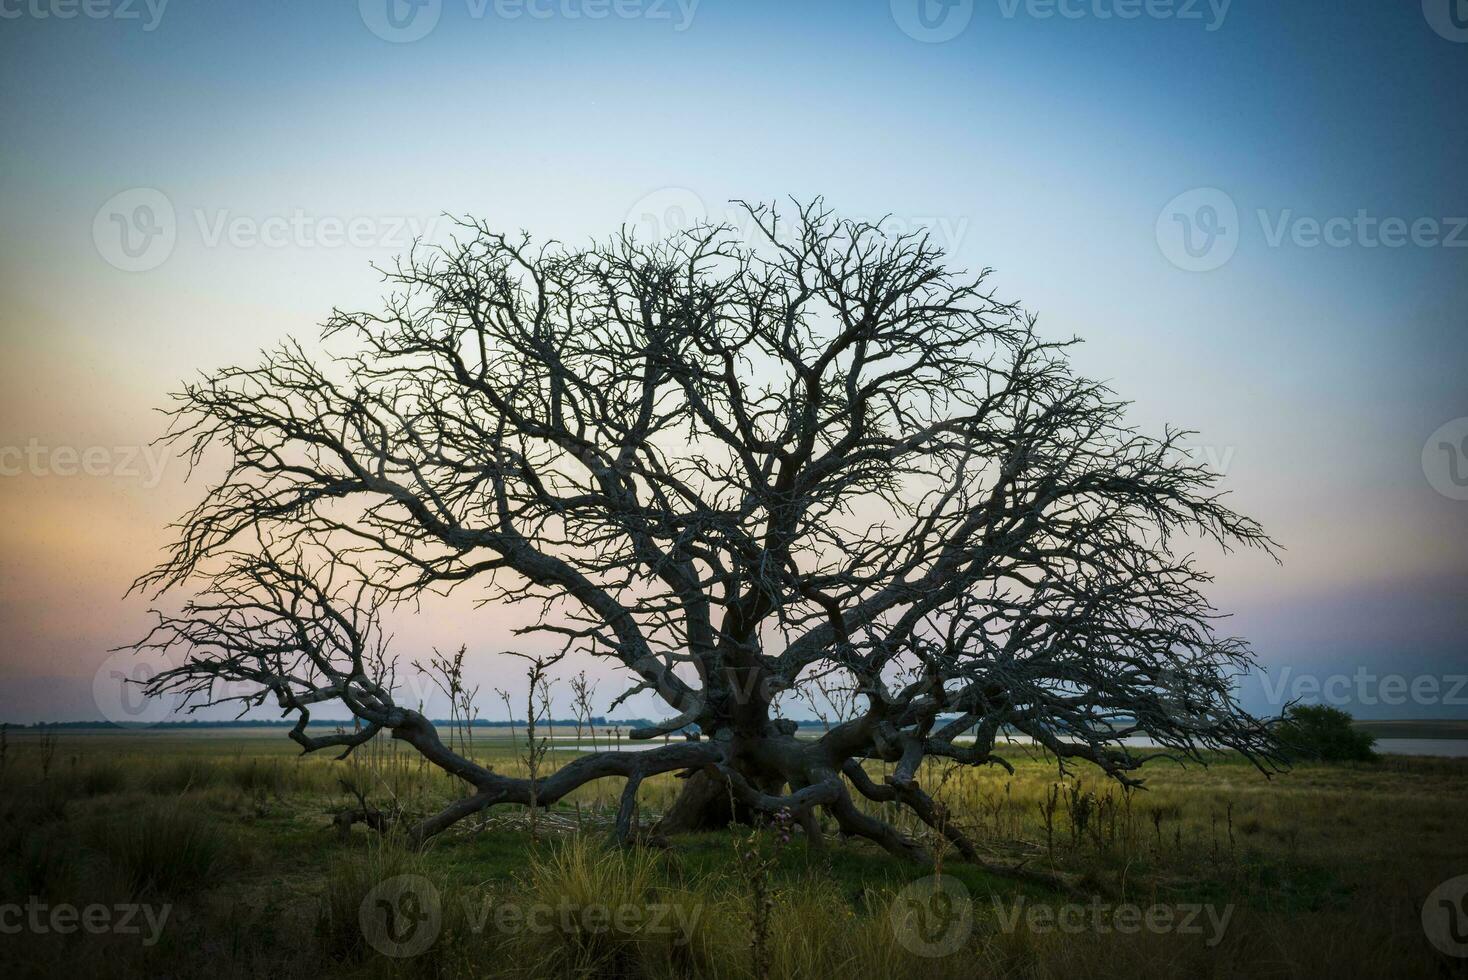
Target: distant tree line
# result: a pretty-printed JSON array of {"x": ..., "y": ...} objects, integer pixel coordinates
[{"x": 597, "y": 721}]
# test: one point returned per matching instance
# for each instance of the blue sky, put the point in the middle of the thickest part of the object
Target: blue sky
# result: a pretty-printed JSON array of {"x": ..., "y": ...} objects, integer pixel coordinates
[{"x": 1063, "y": 144}]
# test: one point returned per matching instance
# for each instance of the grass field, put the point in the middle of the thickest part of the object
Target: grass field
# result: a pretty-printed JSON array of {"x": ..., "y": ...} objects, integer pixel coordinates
[{"x": 218, "y": 850}]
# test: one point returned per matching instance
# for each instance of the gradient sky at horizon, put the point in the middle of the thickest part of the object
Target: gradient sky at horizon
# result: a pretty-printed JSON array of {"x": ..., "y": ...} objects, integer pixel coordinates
[{"x": 1048, "y": 148}]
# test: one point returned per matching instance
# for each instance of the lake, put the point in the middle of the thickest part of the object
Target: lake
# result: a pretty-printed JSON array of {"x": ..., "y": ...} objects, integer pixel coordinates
[{"x": 1448, "y": 747}]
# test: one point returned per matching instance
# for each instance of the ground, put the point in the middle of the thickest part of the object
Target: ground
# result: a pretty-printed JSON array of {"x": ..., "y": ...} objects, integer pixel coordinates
[{"x": 214, "y": 854}]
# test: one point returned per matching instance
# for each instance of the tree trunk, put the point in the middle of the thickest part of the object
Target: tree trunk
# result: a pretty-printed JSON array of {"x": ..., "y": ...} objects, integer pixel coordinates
[{"x": 704, "y": 803}]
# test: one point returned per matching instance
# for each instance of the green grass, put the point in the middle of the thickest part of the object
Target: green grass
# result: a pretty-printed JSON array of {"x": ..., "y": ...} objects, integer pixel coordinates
[{"x": 1322, "y": 869}]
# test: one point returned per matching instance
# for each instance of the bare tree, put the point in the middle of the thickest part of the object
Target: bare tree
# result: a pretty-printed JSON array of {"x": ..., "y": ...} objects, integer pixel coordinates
[{"x": 732, "y": 468}]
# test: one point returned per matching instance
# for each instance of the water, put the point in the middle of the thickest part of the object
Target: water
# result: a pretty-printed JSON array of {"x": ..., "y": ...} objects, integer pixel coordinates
[
  {"x": 1456, "y": 748},
  {"x": 611, "y": 746}
]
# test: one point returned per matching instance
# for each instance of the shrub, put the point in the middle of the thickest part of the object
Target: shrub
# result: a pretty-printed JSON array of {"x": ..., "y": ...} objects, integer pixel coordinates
[
  {"x": 101, "y": 778},
  {"x": 263, "y": 777},
  {"x": 181, "y": 776},
  {"x": 1323, "y": 733},
  {"x": 350, "y": 883},
  {"x": 162, "y": 847},
  {"x": 41, "y": 861},
  {"x": 577, "y": 875}
]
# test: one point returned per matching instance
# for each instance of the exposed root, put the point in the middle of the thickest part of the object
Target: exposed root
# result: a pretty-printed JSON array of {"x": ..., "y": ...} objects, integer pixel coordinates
[{"x": 936, "y": 816}]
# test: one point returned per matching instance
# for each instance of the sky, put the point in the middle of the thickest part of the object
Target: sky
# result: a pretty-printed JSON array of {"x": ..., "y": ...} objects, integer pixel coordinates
[{"x": 1254, "y": 214}]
